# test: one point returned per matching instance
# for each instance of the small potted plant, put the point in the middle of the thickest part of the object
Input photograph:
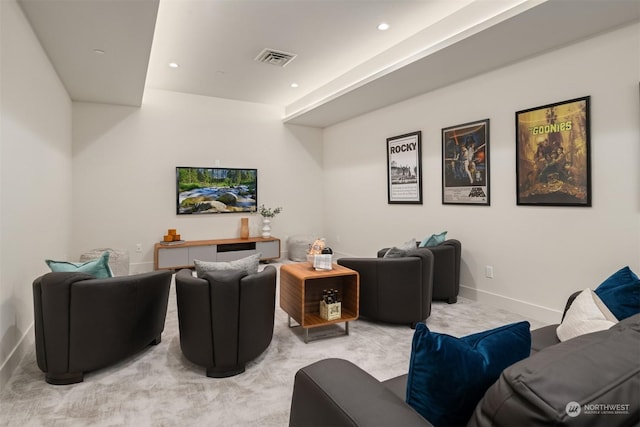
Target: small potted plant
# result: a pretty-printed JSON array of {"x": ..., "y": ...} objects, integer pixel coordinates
[{"x": 267, "y": 214}]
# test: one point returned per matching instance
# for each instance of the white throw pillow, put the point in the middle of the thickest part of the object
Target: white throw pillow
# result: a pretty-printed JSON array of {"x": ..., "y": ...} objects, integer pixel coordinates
[{"x": 587, "y": 314}]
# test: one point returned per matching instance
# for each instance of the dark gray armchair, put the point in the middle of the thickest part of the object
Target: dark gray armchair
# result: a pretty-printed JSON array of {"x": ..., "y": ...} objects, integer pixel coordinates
[
  {"x": 83, "y": 323},
  {"x": 395, "y": 290},
  {"x": 225, "y": 318},
  {"x": 446, "y": 269}
]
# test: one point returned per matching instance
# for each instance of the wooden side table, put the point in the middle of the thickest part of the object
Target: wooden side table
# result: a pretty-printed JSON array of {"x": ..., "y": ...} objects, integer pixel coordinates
[{"x": 301, "y": 289}]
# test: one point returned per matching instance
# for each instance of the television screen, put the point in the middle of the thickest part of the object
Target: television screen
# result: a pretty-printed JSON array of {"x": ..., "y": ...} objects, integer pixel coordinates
[{"x": 216, "y": 190}]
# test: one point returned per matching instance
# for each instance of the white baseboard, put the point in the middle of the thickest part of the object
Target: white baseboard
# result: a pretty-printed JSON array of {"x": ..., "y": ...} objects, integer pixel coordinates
[
  {"x": 542, "y": 314},
  {"x": 6, "y": 370}
]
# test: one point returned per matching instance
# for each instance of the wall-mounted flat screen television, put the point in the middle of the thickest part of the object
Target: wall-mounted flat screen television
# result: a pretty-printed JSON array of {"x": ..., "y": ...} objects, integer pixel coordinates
[{"x": 216, "y": 190}]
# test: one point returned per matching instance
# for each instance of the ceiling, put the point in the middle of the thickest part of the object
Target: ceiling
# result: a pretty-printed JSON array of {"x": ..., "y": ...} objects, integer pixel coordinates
[{"x": 108, "y": 51}]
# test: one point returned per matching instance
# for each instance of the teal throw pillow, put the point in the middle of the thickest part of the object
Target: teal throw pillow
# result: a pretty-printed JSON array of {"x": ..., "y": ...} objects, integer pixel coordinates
[
  {"x": 433, "y": 240},
  {"x": 448, "y": 376},
  {"x": 98, "y": 268},
  {"x": 249, "y": 265},
  {"x": 621, "y": 293}
]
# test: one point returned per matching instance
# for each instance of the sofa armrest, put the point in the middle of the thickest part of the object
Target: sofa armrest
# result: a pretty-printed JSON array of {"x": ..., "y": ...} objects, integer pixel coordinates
[
  {"x": 224, "y": 297},
  {"x": 51, "y": 301},
  {"x": 336, "y": 392},
  {"x": 194, "y": 318},
  {"x": 256, "y": 313}
]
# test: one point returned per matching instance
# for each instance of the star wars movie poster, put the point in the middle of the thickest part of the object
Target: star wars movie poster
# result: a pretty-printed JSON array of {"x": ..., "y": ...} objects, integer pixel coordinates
[
  {"x": 552, "y": 154},
  {"x": 465, "y": 164}
]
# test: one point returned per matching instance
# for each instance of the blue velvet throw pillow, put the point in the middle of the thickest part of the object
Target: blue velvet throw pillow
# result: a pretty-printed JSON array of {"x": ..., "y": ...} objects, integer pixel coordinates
[
  {"x": 98, "y": 268},
  {"x": 433, "y": 240},
  {"x": 448, "y": 376},
  {"x": 621, "y": 293}
]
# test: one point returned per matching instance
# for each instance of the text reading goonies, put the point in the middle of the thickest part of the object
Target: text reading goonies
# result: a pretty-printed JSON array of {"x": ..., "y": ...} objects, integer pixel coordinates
[
  {"x": 551, "y": 128},
  {"x": 404, "y": 147}
]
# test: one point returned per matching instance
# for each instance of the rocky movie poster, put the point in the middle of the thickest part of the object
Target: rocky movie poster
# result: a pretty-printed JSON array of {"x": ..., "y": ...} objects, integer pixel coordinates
[
  {"x": 553, "y": 166},
  {"x": 403, "y": 168},
  {"x": 465, "y": 168}
]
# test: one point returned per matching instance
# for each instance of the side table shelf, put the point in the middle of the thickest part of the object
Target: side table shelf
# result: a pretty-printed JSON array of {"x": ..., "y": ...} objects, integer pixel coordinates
[
  {"x": 176, "y": 256},
  {"x": 301, "y": 289}
]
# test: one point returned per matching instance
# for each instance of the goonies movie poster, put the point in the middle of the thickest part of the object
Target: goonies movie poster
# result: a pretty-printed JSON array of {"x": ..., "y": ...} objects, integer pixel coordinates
[{"x": 552, "y": 154}]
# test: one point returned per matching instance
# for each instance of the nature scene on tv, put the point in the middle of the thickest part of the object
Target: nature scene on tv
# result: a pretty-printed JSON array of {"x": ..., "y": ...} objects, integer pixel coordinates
[{"x": 216, "y": 190}]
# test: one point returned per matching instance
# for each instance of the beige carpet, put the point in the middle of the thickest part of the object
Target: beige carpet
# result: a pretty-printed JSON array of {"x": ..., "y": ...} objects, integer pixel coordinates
[{"x": 159, "y": 387}]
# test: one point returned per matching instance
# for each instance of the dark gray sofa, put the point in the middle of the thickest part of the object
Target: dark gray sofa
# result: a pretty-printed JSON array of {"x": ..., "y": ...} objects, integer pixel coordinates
[{"x": 594, "y": 370}]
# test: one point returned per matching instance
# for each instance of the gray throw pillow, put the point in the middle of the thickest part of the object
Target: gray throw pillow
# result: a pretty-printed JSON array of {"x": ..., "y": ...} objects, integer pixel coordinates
[
  {"x": 401, "y": 250},
  {"x": 408, "y": 245},
  {"x": 249, "y": 265},
  {"x": 395, "y": 253}
]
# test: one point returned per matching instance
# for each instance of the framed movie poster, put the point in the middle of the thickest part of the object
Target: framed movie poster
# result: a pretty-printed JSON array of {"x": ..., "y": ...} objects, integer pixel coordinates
[
  {"x": 465, "y": 164},
  {"x": 553, "y": 166},
  {"x": 404, "y": 168}
]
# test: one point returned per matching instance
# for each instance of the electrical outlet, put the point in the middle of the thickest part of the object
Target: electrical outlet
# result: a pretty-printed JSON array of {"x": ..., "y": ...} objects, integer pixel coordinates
[
  {"x": 488, "y": 271},
  {"x": 139, "y": 247}
]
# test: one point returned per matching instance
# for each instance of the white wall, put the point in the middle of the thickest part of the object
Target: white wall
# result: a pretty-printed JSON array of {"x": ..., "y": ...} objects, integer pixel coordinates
[
  {"x": 124, "y": 163},
  {"x": 539, "y": 254},
  {"x": 35, "y": 178}
]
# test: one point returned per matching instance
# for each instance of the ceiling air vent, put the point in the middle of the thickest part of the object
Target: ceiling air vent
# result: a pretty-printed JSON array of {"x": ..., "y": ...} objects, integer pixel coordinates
[{"x": 275, "y": 57}]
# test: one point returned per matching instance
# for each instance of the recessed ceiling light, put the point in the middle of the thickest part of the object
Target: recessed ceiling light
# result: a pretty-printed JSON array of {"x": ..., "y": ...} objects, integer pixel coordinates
[
  {"x": 173, "y": 64},
  {"x": 294, "y": 85},
  {"x": 383, "y": 26},
  {"x": 98, "y": 51}
]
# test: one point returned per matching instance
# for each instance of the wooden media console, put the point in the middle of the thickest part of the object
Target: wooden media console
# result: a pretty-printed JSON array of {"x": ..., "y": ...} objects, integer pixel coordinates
[{"x": 174, "y": 256}]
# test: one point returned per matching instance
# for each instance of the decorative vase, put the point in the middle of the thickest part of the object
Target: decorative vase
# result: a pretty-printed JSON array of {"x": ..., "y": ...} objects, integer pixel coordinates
[
  {"x": 266, "y": 227},
  {"x": 244, "y": 228}
]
